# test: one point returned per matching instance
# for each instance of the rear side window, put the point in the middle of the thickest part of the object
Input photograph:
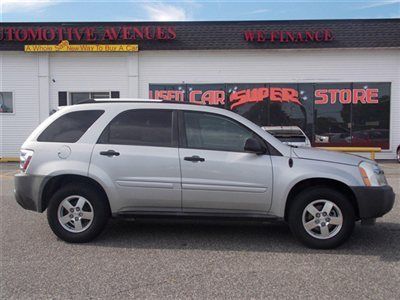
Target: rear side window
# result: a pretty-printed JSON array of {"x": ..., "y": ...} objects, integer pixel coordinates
[
  {"x": 140, "y": 127},
  {"x": 70, "y": 127}
]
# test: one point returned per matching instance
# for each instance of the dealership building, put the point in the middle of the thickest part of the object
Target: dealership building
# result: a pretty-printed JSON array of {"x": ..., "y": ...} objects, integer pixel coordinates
[{"x": 338, "y": 80}]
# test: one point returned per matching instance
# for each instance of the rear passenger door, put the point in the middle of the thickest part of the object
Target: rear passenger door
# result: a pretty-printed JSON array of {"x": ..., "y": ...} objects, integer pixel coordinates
[{"x": 138, "y": 153}]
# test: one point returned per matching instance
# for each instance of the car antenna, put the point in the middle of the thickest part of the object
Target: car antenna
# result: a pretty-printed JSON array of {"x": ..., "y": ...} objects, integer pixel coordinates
[{"x": 290, "y": 157}]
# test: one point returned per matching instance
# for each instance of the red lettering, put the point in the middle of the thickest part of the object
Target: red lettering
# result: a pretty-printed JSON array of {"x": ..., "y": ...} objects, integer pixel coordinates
[
  {"x": 372, "y": 96},
  {"x": 126, "y": 34},
  {"x": 359, "y": 95},
  {"x": 319, "y": 36},
  {"x": 76, "y": 32},
  {"x": 309, "y": 36},
  {"x": 345, "y": 96},
  {"x": 290, "y": 95},
  {"x": 260, "y": 36},
  {"x": 249, "y": 36},
  {"x": 333, "y": 95},
  {"x": 322, "y": 95},
  {"x": 213, "y": 97},
  {"x": 137, "y": 33},
  {"x": 192, "y": 96},
  {"x": 111, "y": 34},
  {"x": 299, "y": 37},
  {"x": 171, "y": 32},
  {"x": 160, "y": 34},
  {"x": 290, "y": 37},
  {"x": 275, "y": 94},
  {"x": 273, "y": 36},
  {"x": 49, "y": 34},
  {"x": 170, "y": 95},
  {"x": 69, "y": 33},
  {"x": 90, "y": 34},
  {"x": 10, "y": 31},
  {"x": 328, "y": 35},
  {"x": 147, "y": 32},
  {"x": 21, "y": 35}
]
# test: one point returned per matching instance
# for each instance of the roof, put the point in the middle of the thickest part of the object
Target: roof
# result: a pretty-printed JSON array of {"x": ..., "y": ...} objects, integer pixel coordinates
[{"x": 371, "y": 33}]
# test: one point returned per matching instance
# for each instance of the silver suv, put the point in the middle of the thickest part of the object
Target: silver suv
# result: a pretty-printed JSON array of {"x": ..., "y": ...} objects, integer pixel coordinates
[{"x": 89, "y": 162}]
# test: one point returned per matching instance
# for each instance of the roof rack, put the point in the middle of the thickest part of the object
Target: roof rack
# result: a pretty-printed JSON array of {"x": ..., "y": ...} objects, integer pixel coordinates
[
  {"x": 132, "y": 100},
  {"x": 117, "y": 100}
]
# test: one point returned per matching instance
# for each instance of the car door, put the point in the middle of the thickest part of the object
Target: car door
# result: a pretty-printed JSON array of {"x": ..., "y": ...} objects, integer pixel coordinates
[
  {"x": 138, "y": 153},
  {"x": 217, "y": 174}
]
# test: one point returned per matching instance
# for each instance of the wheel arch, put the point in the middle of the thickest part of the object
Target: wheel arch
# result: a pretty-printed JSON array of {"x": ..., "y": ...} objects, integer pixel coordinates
[
  {"x": 56, "y": 182},
  {"x": 321, "y": 182}
]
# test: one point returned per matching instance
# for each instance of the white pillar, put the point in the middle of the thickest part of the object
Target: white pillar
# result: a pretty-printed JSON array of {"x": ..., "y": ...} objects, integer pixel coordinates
[
  {"x": 44, "y": 88},
  {"x": 133, "y": 75}
]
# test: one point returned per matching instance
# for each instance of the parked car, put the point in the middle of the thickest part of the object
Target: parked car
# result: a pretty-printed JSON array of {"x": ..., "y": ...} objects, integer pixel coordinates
[
  {"x": 89, "y": 162},
  {"x": 289, "y": 135},
  {"x": 398, "y": 153}
]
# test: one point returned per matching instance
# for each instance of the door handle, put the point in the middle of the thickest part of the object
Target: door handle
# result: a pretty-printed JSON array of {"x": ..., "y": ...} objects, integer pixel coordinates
[
  {"x": 194, "y": 158},
  {"x": 109, "y": 153}
]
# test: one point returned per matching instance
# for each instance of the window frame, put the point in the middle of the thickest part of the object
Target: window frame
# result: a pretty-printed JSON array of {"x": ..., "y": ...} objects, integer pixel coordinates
[
  {"x": 271, "y": 151},
  {"x": 13, "y": 103},
  {"x": 175, "y": 132},
  {"x": 69, "y": 95}
]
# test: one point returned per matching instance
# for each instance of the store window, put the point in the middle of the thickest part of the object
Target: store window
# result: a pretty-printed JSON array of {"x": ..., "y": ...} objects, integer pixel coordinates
[
  {"x": 331, "y": 114},
  {"x": 249, "y": 101},
  {"x": 371, "y": 115},
  {"x": 76, "y": 97},
  {"x": 332, "y": 106},
  {"x": 6, "y": 102}
]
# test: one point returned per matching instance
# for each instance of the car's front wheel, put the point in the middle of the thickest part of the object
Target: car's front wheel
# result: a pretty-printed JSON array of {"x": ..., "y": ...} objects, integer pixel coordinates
[
  {"x": 321, "y": 218},
  {"x": 77, "y": 213}
]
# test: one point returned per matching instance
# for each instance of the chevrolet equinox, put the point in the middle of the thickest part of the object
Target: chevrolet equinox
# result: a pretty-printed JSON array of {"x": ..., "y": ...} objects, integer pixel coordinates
[{"x": 101, "y": 159}]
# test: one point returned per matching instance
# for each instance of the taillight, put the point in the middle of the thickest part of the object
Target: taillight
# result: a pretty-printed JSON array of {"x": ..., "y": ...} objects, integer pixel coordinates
[{"x": 24, "y": 159}]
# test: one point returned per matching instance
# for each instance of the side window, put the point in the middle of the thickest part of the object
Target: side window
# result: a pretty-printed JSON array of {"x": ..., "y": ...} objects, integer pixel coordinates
[
  {"x": 214, "y": 132},
  {"x": 140, "y": 127},
  {"x": 70, "y": 127}
]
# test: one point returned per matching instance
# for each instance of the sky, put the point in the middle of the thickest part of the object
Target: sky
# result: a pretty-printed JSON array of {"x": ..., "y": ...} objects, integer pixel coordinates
[{"x": 193, "y": 10}]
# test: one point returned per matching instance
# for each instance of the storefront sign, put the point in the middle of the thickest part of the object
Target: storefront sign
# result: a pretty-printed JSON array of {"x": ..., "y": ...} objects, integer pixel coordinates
[
  {"x": 280, "y": 36},
  {"x": 65, "y": 46},
  {"x": 347, "y": 96},
  {"x": 331, "y": 114},
  {"x": 86, "y": 33}
]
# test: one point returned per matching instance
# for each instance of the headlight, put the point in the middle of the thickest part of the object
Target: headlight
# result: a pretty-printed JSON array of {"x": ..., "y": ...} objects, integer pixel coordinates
[{"x": 372, "y": 174}]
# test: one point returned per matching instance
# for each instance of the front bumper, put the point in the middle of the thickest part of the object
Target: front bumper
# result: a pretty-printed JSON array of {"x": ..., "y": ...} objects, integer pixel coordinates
[
  {"x": 28, "y": 191},
  {"x": 374, "y": 202}
]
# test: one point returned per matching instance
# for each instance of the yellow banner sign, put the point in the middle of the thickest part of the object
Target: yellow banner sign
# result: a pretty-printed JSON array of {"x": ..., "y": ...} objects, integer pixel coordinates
[{"x": 65, "y": 46}]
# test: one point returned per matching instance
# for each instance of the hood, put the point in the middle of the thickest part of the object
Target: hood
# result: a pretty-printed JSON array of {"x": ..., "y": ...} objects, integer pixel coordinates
[{"x": 328, "y": 156}]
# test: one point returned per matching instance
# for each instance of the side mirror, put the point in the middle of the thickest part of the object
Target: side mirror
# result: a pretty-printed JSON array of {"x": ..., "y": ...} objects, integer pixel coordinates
[{"x": 253, "y": 145}]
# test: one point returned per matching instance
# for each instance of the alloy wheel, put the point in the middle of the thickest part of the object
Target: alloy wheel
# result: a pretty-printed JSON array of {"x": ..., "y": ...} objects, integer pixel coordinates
[
  {"x": 75, "y": 214},
  {"x": 322, "y": 219}
]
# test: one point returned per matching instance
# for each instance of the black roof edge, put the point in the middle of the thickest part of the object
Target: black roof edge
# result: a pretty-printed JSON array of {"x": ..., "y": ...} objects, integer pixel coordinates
[{"x": 205, "y": 22}]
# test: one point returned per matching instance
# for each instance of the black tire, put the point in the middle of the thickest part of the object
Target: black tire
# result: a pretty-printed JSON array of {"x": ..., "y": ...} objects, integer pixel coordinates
[
  {"x": 100, "y": 216},
  {"x": 398, "y": 154},
  {"x": 295, "y": 217}
]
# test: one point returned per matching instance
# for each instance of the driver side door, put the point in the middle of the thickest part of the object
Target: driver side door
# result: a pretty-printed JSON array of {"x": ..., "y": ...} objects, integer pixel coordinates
[{"x": 218, "y": 176}]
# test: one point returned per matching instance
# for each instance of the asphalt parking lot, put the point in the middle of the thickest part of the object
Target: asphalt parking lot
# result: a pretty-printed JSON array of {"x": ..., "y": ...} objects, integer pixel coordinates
[{"x": 162, "y": 260}]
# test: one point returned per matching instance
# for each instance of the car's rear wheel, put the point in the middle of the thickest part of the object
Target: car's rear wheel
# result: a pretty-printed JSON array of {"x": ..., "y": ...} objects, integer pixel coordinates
[
  {"x": 321, "y": 218},
  {"x": 77, "y": 213},
  {"x": 398, "y": 154}
]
